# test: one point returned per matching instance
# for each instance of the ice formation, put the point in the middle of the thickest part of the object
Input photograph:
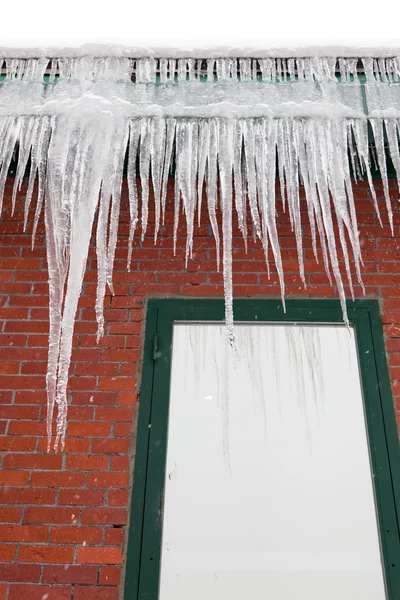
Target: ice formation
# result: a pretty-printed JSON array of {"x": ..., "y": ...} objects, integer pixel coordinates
[{"x": 228, "y": 125}]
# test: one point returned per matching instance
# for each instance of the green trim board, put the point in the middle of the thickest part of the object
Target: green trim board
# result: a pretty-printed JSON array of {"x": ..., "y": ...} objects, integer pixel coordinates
[{"x": 144, "y": 544}]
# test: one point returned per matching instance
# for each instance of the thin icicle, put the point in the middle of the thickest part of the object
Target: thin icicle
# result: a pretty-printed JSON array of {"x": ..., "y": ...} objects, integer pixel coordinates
[
  {"x": 391, "y": 127},
  {"x": 212, "y": 183},
  {"x": 204, "y": 147},
  {"x": 170, "y": 136},
  {"x": 157, "y": 151},
  {"x": 225, "y": 134},
  {"x": 134, "y": 133},
  {"x": 377, "y": 127},
  {"x": 144, "y": 166}
]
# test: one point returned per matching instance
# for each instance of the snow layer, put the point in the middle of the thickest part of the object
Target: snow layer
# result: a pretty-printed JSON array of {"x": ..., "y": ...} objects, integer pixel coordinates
[
  {"x": 229, "y": 134},
  {"x": 345, "y": 48}
]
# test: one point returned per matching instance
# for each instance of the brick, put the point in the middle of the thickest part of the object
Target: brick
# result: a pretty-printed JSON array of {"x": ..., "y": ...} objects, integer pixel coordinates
[
  {"x": 40, "y": 592},
  {"x": 111, "y": 446},
  {"x": 57, "y": 479},
  {"x": 11, "y": 478},
  {"x": 114, "y": 414},
  {"x": 7, "y": 552},
  {"x": 96, "y": 593},
  {"x": 87, "y": 463},
  {"x": 43, "y": 515},
  {"x": 110, "y": 575},
  {"x": 11, "y": 514},
  {"x": 108, "y": 480},
  {"x": 76, "y": 535},
  {"x": 98, "y": 556},
  {"x": 115, "y": 383},
  {"x": 78, "y": 497},
  {"x": 114, "y": 536},
  {"x": 46, "y": 554},
  {"x": 32, "y": 461},
  {"x": 74, "y": 574},
  {"x": 15, "y": 495},
  {"x": 28, "y": 573},
  {"x": 120, "y": 463},
  {"x": 118, "y": 498},
  {"x": 89, "y": 429},
  {"x": 17, "y": 444},
  {"x": 23, "y": 533},
  {"x": 104, "y": 516}
]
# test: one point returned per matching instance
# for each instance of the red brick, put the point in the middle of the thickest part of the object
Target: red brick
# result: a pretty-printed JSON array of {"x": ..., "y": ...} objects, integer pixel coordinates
[
  {"x": 122, "y": 429},
  {"x": 78, "y": 497},
  {"x": 96, "y": 593},
  {"x": 119, "y": 463},
  {"x": 111, "y": 446},
  {"x": 27, "y": 573},
  {"x": 110, "y": 575},
  {"x": 7, "y": 552},
  {"x": 57, "y": 479},
  {"x": 15, "y": 495},
  {"x": 74, "y": 574},
  {"x": 16, "y": 443},
  {"x": 11, "y": 514},
  {"x": 32, "y": 461},
  {"x": 104, "y": 516},
  {"x": 87, "y": 463},
  {"x": 76, "y": 535},
  {"x": 114, "y": 536},
  {"x": 99, "y": 556},
  {"x": 23, "y": 533},
  {"x": 3, "y": 591},
  {"x": 12, "y": 478},
  {"x": 118, "y": 498},
  {"x": 39, "y": 592},
  {"x": 108, "y": 480},
  {"x": 46, "y": 554},
  {"x": 43, "y": 515},
  {"x": 89, "y": 429}
]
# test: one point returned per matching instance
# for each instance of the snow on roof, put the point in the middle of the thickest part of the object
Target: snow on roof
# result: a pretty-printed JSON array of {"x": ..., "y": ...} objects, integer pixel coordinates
[{"x": 278, "y": 49}]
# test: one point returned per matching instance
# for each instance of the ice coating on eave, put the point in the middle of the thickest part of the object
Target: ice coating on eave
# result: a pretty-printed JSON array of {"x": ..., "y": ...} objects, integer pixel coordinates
[
  {"x": 253, "y": 119},
  {"x": 360, "y": 49}
]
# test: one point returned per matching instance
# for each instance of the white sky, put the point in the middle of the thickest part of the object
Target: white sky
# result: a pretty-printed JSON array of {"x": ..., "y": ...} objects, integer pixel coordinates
[{"x": 191, "y": 24}]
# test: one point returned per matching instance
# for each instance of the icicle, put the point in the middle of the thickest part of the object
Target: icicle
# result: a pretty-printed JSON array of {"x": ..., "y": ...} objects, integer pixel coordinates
[
  {"x": 248, "y": 135},
  {"x": 212, "y": 182},
  {"x": 134, "y": 133},
  {"x": 10, "y": 136},
  {"x": 204, "y": 147},
  {"x": 25, "y": 143},
  {"x": 237, "y": 171},
  {"x": 360, "y": 128},
  {"x": 170, "y": 136},
  {"x": 393, "y": 139},
  {"x": 40, "y": 150},
  {"x": 157, "y": 150},
  {"x": 225, "y": 159},
  {"x": 121, "y": 136},
  {"x": 144, "y": 166},
  {"x": 377, "y": 127}
]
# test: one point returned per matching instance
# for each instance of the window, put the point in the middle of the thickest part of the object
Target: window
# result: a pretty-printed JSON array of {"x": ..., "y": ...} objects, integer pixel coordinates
[{"x": 253, "y": 477}]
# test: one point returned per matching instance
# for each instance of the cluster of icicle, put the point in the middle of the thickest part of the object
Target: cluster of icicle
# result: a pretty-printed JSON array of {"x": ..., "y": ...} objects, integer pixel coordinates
[{"x": 77, "y": 156}]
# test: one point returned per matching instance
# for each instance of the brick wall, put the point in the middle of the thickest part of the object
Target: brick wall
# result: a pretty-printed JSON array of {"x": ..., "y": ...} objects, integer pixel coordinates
[{"x": 63, "y": 531}]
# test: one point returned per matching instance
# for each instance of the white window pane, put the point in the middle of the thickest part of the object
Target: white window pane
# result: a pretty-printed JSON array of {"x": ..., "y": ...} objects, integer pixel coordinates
[{"x": 268, "y": 481}]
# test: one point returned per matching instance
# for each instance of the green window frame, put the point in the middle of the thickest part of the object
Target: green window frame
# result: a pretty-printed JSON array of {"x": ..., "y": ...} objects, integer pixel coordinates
[{"x": 145, "y": 530}]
